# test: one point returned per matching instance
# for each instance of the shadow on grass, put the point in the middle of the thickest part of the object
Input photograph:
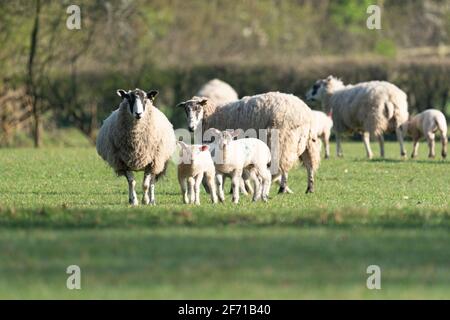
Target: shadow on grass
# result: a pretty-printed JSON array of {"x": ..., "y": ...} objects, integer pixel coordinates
[{"x": 70, "y": 218}]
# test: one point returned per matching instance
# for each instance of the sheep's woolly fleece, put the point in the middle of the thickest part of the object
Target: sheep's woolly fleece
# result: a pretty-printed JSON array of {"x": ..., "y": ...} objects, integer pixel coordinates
[
  {"x": 274, "y": 110},
  {"x": 375, "y": 106},
  {"x": 218, "y": 91},
  {"x": 128, "y": 145}
]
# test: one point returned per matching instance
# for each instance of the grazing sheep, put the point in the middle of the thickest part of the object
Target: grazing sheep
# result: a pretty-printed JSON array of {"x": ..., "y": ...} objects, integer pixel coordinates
[
  {"x": 370, "y": 107},
  {"x": 236, "y": 156},
  {"x": 218, "y": 91},
  {"x": 284, "y": 117},
  {"x": 321, "y": 127},
  {"x": 137, "y": 137},
  {"x": 425, "y": 124},
  {"x": 196, "y": 163}
]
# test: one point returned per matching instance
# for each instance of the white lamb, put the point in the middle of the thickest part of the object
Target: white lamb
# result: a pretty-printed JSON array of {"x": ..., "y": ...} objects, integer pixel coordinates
[
  {"x": 236, "y": 156},
  {"x": 371, "y": 108},
  {"x": 196, "y": 163},
  {"x": 218, "y": 91},
  {"x": 137, "y": 137},
  {"x": 425, "y": 124},
  {"x": 321, "y": 127}
]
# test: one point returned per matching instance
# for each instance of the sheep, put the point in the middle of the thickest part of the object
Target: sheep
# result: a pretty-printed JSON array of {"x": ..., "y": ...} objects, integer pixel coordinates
[
  {"x": 196, "y": 163},
  {"x": 137, "y": 137},
  {"x": 369, "y": 107},
  {"x": 236, "y": 156},
  {"x": 218, "y": 91},
  {"x": 321, "y": 127},
  {"x": 283, "y": 117},
  {"x": 426, "y": 124}
]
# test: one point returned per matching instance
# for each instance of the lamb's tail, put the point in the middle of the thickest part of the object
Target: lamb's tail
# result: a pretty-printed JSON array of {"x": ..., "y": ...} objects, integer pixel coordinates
[{"x": 442, "y": 128}]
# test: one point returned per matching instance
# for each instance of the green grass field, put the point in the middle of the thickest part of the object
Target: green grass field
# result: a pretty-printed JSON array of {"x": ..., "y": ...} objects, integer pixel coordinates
[{"x": 64, "y": 206}]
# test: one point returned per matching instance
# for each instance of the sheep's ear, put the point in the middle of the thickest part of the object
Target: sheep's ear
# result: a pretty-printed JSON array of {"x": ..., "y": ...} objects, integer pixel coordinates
[
  {"x": 203, "y": 102},
  {"x": 181, "y": 104},
  {"x": 235, "y": 133},
  {"x": 329, "y": 78},
  {"x": 152, "y": 94},
  {"x": 204, "y": 148},
  {"x": 214, "y": 131},
  {"x": 122, "y": 93}
]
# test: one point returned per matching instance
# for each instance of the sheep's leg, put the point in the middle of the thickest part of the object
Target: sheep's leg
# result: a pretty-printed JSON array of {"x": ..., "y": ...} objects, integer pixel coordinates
[
  {"x": 381, "y": 142},
  {"x": 430, "y": 140},
  {"x": 198, "y": 182},
  {"x": 308, "y": 162},
  {"x": 266, "y": 181},
  {"x": 326, "y": 142},
  {"x": 366, "y": 140},
  {"x": 283, "y": 183},
  {"x": 132, "y": 196},
  {"x": 415, "y": 148},
  {"x": 444, "y": 144},
  {"x": 219, "y": 179},
  {"x": 184, "y": 191},
  {"x": 257, "y": 184},
  {"x": 205, "y": 185},
  {"x": 399, "y": 133},
  {"x": 146, "y": 186},
  {"x": 191, "y": 192},
  {"x": 339, "y": 152},
  {"x": 237, "y": 174},
  {"x": 152, "y": 199},
  {"x": 248, "y": 186},
  {"x": 212, "y": 186}
]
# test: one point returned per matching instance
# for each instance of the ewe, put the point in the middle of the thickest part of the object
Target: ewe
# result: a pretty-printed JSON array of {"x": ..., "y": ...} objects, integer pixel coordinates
[
  {"x": 196, "y": 163},
  {"x": 425, "y": 124},
  {"x": 137, "y": 137},
  {"x": 236, "y": 156},
  {"x": 369, "y": 107},
  {"x": 283, "y": 117}
]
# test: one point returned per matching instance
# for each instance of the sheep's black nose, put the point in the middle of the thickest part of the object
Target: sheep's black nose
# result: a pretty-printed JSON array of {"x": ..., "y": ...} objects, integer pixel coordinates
[
  {"x": 191, "y": 129},
  {"x": 138, "y": 115}
]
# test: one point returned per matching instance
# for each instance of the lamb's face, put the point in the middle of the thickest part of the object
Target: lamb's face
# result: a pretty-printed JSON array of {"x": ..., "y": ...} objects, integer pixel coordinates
[
  {"x": 189, "y": 153},
  {"x": 317, "y": 91},
  {"x": 194, "y": 112},
  {"x": 137, "y": 101}
]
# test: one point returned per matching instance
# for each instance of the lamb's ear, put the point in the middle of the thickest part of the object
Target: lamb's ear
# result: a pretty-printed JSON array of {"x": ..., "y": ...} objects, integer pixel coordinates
[
  {"x": 152, "y": 94},
  {"x": 122, "y": 93},
  {"x": 203, "y": 102},
  {"x": 235, "y": 133},
  {"x": 204, "y": 148}
]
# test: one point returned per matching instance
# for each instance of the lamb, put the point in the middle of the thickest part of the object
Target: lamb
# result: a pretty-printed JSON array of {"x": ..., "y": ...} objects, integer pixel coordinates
[
  {"x": 218, "y": 91},
  {"x": 236, "y": 156},
  {"x": 285, "y": 119},
  {"x": 321, "y": 127},
  {"x": 369, "y": 107},
  {"x": 137, "y": 137},
  {"x": 196, "y": 163},
  {"x": 426, "y": 124}
]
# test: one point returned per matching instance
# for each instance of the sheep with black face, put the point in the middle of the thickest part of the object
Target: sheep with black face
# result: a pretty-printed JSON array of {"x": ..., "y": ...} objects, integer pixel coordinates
[{"x": 137, "y": 137}]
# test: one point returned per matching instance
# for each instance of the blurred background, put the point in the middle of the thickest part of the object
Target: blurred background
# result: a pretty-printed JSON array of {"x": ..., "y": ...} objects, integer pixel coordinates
[{"x": 56, "y": 84}]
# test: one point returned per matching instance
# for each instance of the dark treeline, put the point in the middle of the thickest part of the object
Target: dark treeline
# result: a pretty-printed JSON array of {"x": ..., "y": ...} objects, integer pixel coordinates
[{"x": 53, "y": 77}]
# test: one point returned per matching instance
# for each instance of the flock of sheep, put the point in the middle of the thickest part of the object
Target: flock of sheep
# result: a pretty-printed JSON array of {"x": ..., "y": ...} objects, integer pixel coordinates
[{"x": 274, "y": 130}]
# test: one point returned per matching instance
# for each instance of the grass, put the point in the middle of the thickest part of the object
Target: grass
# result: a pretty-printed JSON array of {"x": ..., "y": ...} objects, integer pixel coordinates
[{"x": 63, "y": 206}]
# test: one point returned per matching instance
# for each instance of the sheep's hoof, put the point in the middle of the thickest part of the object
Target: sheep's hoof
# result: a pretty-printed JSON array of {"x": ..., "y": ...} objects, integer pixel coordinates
[
  {"x": 309, "y": 190},
  {"x": 133, "y": 202},
  {"x": 444, "y": 155},
  {"x": 285, "y": 190},
  {"x": 152, "y": 203},
  {"x": 145, "y": 200}
]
